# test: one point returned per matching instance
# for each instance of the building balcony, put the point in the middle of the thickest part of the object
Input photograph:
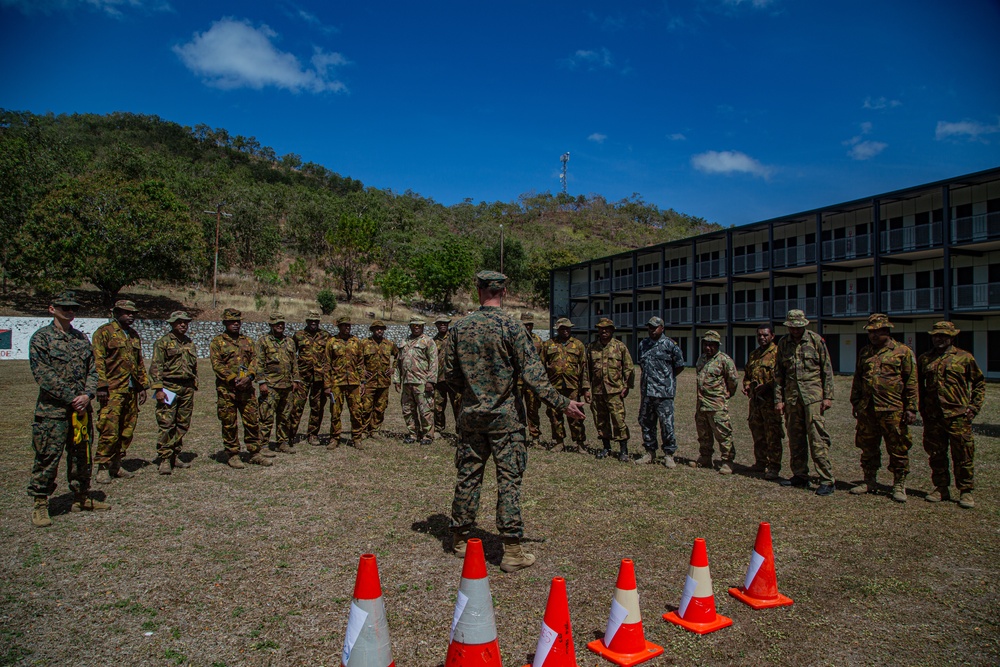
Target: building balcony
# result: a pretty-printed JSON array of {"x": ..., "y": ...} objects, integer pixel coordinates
[
  {"x": 847, "y": 248},
  {"x": 751, "y": 263},
  {"x": 716, "y": 313},
  {"x": 807, "y": 305},
  {"x": 600, "y": 286},
  {"x": 579, "y": 289},
  {"x": 975, "y": 297},
  {"x": 648, "y": 278},
  {"x": 675, "y": 316},
  {"x": 622, "y": 283},
  {"x": 848, "y": 305},
  {"x": 623, "y": 320},
  {"x": 713, "y": 268},
  {"x": 924, "y": 300},
  {"x": 643, "y": 316},
  {"x": 912, "y": 238},
  {"x": 799, "y": 255},
  {"x": 751, "y": 312},
  {"x": 976, "y": 228},
  {"x": 677, "y": 274}
]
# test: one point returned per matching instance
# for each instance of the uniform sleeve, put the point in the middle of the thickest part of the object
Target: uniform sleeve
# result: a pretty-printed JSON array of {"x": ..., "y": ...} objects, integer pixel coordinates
[
  {"x": 215, "y": 352},
  {"x": 41, "y": 367},
  {"x": 90, "y": 385},
  {"x": 143, "y": 377},
  {"x": 156, "y": 366},
  {"x": 732, "y": 378},
  {"x": 397, "y": 376},
  {"x": 327, "y": 367},
  {"x": 856, "y": 393},
  {"x": 584, "y": 371},
  {"x": 827, "y": 372},
  {"x": 909, "y": 372},
  {"x": 260, "y": 354},
  {"x": 453, "y": 374},
  {"x": 921, "y": 391},
  {"x": 978, "y": 382},
  {"x": 678, "y": 359},
  {"x": 628, "y": 368},
  {"x": 533, "y": 372},
  {"x": 100, "y": 345},
  {"x": 779, "y": 377},
  {"x": 359, "y": 360},
  {"x": 432, "y": 362}
]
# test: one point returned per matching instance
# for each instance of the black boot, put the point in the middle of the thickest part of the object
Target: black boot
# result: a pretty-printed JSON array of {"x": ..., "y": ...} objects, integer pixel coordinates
[
  {"x": 623, "y": 456},
  {"x": 606, "y": 449}
]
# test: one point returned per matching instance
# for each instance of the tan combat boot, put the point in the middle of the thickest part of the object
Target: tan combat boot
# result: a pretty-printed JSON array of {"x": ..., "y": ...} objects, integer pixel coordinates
[
  {"x": 84, "y": 503},
  {"x": 236, "y": 462},
  {"x": 313, "y": 440},
  {"x": 165, "y": 467},
  {"x": 459, "y": 540},
  {"x": 938, "y": 494},
  {"x": 286, "y": 448},
  {"x": 870, "y": 485},
  {"x": 965, "y": 500},
  {"x": 40, "y": 513},
  {"x": 514, "y": 557},
  {"x": 177, "y": 462},
  {"x": 103, "y": 475},
  {"x": 261, "y": 460},
  {"x": 116, "y": 470},
  {"x": 899, "y": 487}
]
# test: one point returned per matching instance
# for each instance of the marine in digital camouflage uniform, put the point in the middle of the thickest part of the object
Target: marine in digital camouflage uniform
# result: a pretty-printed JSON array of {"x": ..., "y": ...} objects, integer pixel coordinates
[
  {"x": 612, "y": 377},
  {"x": 121, "y": 389},
  {"x": 442, "y": 392},
  {"x": 952, "y": 389},
  {"x": 764, "y": 422},
  {"x": 531, "y": 401},
  {"x": 234, "y": 361},
  {"x": 661, "y": 361},
  {"x": 565, "y": 361},
  {"x": 345, "y": 382},
  {"x": 62, "y": 362},
  {"x": 278, "y": 380},
  {"x": 803, "y": 392},
  {"x": 716, "y": 383},
  {"x": 380, "y": 358},
  {"x": 173, "y": 368},
  {"x": 884, "y": 403},
  {"x": 487, "y": 351},
  {"x": 415, "y": 373},
  {"x": 310, "y": 349}
]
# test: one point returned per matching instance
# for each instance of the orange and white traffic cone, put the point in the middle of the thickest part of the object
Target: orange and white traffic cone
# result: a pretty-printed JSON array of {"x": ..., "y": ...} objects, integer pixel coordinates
[
  {"x": 624, "y": 642},
  {"x": 474, "y": 640},
  {"x": 697, "y": 610},
  {"x": 555, "y": 643},
  {"x": 760, "y": 586},
  {"x": 367, "y": 641}
]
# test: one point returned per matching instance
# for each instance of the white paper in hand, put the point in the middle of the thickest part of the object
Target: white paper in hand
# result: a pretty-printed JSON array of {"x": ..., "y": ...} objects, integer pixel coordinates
[
  {"x": 355, "y": 624},
  {"x": 460, "y": 603},
  {"x": 169, "y": 396},
  {"x": 615, "y": 619}
]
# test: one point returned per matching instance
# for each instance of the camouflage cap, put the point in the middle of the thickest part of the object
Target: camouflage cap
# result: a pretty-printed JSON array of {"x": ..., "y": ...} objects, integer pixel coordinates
[
  {"x": 878, "y": 321},
  {"x": 796, "y": 318},
  {"x": 231, "y": 315},
  {"x": 276, "y": 318},
  {"x": 605, "y": 322},
  {"x": 376, "y": 324},
  {"x": 711, "y": 337},
  {"x": 343, "y": 319},
  {"x": 527, "y": 317},
  {"x": 490, "y": 279},
  {"x": 655, "y": 321},
  {"x": 417, "y": 320},
  {"x": 945, "y": 328},
  {"x": 126, "y": 305},
  {"x": 314, "y": 316},
  {"x": 67, "y": 298},
  {"x": 564, "y": 322},
  {"x": 178, "y": 316},
  {"x": 444, "y": 319}
]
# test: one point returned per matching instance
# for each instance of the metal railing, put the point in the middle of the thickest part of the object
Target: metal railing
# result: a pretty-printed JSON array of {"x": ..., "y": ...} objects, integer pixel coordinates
[
  {"x": 643, "y": 316},
  {"x": 600, "y": 286},
  {"x": 848, "y": 248},
  {"x": 912, "y": 238},
  {"x": 795, "y": 256},
  {"x": 757, "y": 310},
  {"x": 712, "y": 268},
  {"x": 622, "y": 282},
  {"x": 985, "y": 295},
  {"x": 677, "y": 274},
  {"x": 806, "y": 304},
  {"x": 924, "y": 300},
  {"x": 579, "y": 289},
  {"x": 844, "y": 305},
  {"x": 975, "y": 228},
  {"x": 715, "y": 313},
  {"x": 678, "y": 315},
  {"x": 757, "y": 261},
  {"x": 622, "y": 319},
  {"x": 648, "y": 278}
]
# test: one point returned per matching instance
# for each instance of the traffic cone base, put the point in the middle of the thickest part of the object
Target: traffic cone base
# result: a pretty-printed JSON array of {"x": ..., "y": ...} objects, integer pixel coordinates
[
  {"x": 760, "y": 586},
  {"x": 625, "y": 659},
  {"x": 624, "y": 642},
  {"x": 697, "y": 609},
  {"x": 699, "y": 628},
  {"x": 779, "y": 601}
]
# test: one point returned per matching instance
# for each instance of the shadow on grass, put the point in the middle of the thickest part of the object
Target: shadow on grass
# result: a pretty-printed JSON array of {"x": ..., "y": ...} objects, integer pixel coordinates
[{"x": 438, "y": 526}]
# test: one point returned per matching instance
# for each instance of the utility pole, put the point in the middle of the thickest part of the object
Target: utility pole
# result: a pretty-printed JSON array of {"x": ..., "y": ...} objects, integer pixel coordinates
[
  {"x": 501, "y": 258},
  {"x": 562, "y": 176},
  {"x": 215, "y": 271}
]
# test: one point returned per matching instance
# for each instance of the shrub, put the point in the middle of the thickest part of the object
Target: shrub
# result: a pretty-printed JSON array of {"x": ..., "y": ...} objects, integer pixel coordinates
[{"x": 327, "y": 301}]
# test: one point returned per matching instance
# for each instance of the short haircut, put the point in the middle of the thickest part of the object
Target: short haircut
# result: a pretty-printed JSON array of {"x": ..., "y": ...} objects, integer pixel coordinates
[
  {"x": 765, "y": 326},
  {"x": 492, "y": 291}
]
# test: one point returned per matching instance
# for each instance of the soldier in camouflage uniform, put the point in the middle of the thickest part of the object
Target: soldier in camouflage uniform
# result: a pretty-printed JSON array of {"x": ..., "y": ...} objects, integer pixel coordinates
[
  {"x": 62, "y": 363},
  {"x": 884, "y": 403},
  {"x": 765, "y": 424},
  {"x": 952, "y": 390},
  {"x": 803, "y": 392},
  {"x": 380, "y": 358},
  {"x": 173, "y": 374},
  {"x": 121, "y": 389},
  {"x": 345, "y": 382},
  {"x": 565, "y": 361},
  {"x": 612, "y": 377},
  {"x": 716, "y": 384},
  {"x": 661, "y": 361},
  {"x": 279, "y": 380},
  {"x": 416, "y": 371},
  {"x": 486, "y": 352},
  {"x": 310, "y": 348},
  {"x": 442, "y": 392},
  {"x": 531, "y": 401},
  {"x": 234, "y": 361}
]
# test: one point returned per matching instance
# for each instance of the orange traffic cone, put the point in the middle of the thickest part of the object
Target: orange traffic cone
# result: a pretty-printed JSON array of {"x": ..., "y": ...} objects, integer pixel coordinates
[
  {"x": 555, "y": 643},
  {"x": 367, "y": 641},
  {"x": 624, "y": 642},
  {"x": 760, "y": 587},
  {"x": 473, "y": 629},
  {"x": 697, "y": 610}
]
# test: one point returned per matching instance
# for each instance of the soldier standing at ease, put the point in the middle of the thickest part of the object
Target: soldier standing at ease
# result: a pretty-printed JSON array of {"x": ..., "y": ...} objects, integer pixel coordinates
[
  {"x": 716, "y": 384},
  {"x": 661, "y": 361},
  {"x": 279, "y": 380},
  {"x": 380, "y": 358},
  {"x": 234, "y": 361},
  {"x": 803, "y": 392},
  {"x": 310, "y": 347},
  {"x": 765, "y": 424},
  {"x": 442, "y": 392},
  {"x": 62, "y": 362},
  {"x": 612, "y": 377},
  {"x": 884, "y": 403},
  {"x": 173, "y": 372},
  {"x": 952, "y": 389},
  {"x": 565, "y": 361},
  {"x": 531, "y": 401},
  {"x": 345, "y": 382},
  {"x": 416, "y": 371},
  {"x": 121, "y": 389}
]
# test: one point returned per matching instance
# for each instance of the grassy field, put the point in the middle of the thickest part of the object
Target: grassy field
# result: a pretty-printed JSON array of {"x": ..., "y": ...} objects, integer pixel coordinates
[{"x": 213, "y": 566}]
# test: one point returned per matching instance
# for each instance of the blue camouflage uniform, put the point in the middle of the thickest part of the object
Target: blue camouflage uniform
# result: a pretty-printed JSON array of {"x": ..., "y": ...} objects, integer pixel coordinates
[{"x": 661, "y": 361}]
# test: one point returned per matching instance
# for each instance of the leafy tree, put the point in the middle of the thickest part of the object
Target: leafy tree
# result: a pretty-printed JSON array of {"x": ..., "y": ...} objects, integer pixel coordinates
[
  {"x": 327, "y": 301},
  {"x": 443, "y": 270},
  {"x": 395, "y": 283},
  {"x": 354, "y": 241},
  {"x": 515, "y": 261}
]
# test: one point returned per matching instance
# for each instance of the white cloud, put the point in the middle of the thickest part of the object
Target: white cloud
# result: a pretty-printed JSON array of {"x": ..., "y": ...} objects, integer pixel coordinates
[
  {"x": 972, "y": 130},
  {"x": 729, "y": 162},
  {"x": 880, "y": 103},
  {"x": 233, "y": 54},
  {"x": 676, "y": 136},
  {"x": 110, "y": 7},
  {"x": 597, "y": 138},
  {"x": 864, "y": 149},
  {"x": 600, "y": 59}
]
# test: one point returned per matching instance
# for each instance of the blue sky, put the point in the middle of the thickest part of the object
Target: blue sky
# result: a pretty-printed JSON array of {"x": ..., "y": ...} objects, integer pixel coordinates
[{"x": 734, "y": 110}]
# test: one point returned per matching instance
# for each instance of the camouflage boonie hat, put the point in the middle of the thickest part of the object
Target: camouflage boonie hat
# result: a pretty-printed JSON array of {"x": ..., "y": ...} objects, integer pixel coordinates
[
  {"x": 313, "y": 316},
  {"x": 527, "y": 317},
  {"x": 343, "y": 319},
  {"x": 946, "y": 328},
  {"x": 231, "y": 315},
  {"x": 711, "y": 337},
  {"x": 65, "y": 299},
  {"x": 564, "y": 322},
  {"x": 417, "y": 320},
  {"x": 490, "y": 279},
  {"x": 276, "y": 318},
  {"x": 126, "y": 305},
  {"x": 605, "y": 322},
  {"x": 178, "y": 316},
  {"x": 444, "y": 319},
  {"x": 376, "y": 324},
  {"x": 655, "y": 321},
  {"x": 796, "y": 318},
  {"x": 878, "y": 321}
]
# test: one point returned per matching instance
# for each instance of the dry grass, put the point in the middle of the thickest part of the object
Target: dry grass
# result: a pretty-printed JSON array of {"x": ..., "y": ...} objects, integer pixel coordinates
[{"x": 213, "y": 566}]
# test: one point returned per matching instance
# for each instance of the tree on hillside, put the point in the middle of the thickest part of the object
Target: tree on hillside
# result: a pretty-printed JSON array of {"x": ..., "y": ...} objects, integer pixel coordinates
[
  {"x": 515, "y": 261},
  {"x": 395, "y": 284},
  {"x": 354, "y": 240},
  {"x": 443, "y": 270}
]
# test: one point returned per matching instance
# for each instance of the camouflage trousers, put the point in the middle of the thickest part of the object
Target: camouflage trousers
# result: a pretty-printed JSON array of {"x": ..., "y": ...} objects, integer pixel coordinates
[
  {"x": 531, "y": 406},
  {"x": 511, "y": 458},
  {"x": 577, "y": 430},
  {"x": 443, "y": 393},
  {"x": 229, "y": 404},
  {"x": 311, "y": 388},
  {"x": 418, "y": 410},
  {"x": 276, "y": 411},
  {"x": 174, "y": 421},
  {"x": 807, "y": 435},
  {"x": 609, "y": 417},
  {"x": 116, "y": 424},
  {"x": 651, "y": 410},
  {"x": 349, "y": 394},
  {"x": 715, "y": 426},
  {"x": 942, "y": 435},
  {"x": 872, "y": 428},
  {"x": 50, "y": 437},
  {"x": 767, "y": 432},
  {"x": 374, "y": 403}
]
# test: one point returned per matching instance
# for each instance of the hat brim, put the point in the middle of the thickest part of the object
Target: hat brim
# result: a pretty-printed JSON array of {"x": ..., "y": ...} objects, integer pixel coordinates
[
  {"x": 796, "y": 323},
  {"x": 950, "y": 332}
]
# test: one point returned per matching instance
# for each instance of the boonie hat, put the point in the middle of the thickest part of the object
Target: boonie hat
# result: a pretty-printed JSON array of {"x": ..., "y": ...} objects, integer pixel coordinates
[
  {"x": 276, "y": 318},
  {"x": 231, "y": 314},
  {"x": 878, "y": 321},
  {"x": 796, "y": 318},
  {"x": 946, "y": 328},
  {"x": 343, "y": 319},
  {"x": 126, "y": 305},
  {"x": 376, "y": 324},
  {"x": 417, "y": 320},
  {"x": 444, "y": 319},
  {"x": 527, "y": 317},
  {"x": 313, "y": 316},
  {"x": 605, "y": 322},
  {"x": 178, "y": 316},
  {"x": 564, "y": 322},
  {"x": 655, "y": 321},
  {"x": 711, "y": 337}
]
